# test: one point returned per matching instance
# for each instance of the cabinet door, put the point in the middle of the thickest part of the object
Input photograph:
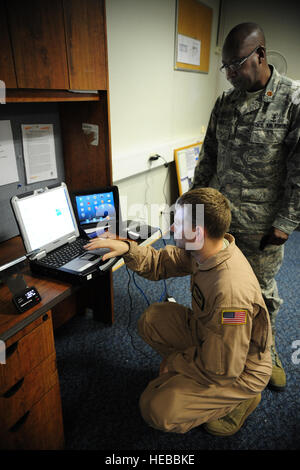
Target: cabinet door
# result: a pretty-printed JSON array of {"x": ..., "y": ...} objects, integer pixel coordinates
[
  {"x": 27, "y": 352},
  {"x": 7, "y": 71},
  {"x": 38, "y": 40},
  {"x": 40, "y": 428},
  {"x": 86, "y": 43}
]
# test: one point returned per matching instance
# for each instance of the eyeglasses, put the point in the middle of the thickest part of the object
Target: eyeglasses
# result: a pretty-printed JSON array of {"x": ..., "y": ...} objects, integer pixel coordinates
[{"x": 234, "y": 66}]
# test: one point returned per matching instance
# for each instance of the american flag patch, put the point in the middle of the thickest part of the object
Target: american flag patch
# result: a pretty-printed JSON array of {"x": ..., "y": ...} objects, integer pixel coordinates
[{"x": 234, "y": 317}]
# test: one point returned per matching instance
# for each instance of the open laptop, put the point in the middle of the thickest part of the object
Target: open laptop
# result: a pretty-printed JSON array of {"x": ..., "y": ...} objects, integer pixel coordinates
[{"x": 53, "y": 241}]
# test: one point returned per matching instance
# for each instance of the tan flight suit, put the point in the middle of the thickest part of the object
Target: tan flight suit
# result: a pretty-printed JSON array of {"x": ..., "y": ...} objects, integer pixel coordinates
[{"x": 213, "y": 365}]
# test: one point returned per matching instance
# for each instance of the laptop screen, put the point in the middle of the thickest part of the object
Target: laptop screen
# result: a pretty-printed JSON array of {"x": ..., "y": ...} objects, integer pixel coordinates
[
  {"x": 45, "y": 218},
  {"x": 96, "y": 208}
]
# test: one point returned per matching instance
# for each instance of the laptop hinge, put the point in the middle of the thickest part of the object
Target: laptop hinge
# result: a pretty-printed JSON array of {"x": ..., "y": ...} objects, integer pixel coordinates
[
  {"x": 72, "y": 239},
  {"x": 37, "y": 256}
]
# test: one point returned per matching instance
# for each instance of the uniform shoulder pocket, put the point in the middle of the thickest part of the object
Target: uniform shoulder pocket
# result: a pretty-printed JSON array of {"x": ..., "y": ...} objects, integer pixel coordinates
[
  {"x": 261, "y": 331},
  {"x": 212, "y": 353}
]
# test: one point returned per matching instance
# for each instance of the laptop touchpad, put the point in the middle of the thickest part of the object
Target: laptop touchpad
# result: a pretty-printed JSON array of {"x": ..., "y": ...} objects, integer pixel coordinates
[
  {"x": 89, "y": 257},
  {"x": 82, "y": 263}
]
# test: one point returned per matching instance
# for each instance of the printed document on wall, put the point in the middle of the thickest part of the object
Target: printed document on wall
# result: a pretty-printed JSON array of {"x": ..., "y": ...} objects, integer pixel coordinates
[
  {"x": 39, "y": 152},
  {"x": 188, "y": 50},
  {"x": 8, "y": 163}
]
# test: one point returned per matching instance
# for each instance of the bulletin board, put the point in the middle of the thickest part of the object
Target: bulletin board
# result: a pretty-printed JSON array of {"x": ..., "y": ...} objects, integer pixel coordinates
[
  {"x": 186, "y": 159},
  {"x": 193, "y": 35},
  {"x": 18, "y": 114}
]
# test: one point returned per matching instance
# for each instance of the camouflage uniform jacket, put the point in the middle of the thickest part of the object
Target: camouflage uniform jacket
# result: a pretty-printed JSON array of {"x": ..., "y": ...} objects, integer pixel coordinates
[{"x": 252, "y": 155}]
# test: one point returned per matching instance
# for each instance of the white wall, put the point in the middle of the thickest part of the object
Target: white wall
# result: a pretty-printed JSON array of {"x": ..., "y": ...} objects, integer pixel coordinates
[
  {"x": 280, "y": 20},
  {"x": 153, "y": 108}
]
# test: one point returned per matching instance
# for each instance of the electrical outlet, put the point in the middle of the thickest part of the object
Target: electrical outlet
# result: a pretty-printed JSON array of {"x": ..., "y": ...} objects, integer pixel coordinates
[{"x": 162, "y": 208}]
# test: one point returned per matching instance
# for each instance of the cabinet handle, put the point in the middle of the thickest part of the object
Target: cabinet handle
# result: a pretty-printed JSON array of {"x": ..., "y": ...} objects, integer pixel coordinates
[
  {"x": 11, "y": 349},
  {"x": 10, "y": 392},
  {"x": 20, "y": 422}
]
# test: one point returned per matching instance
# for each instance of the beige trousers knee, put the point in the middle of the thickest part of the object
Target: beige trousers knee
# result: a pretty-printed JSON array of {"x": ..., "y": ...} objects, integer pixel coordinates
[{"x": 173, "y": 402}]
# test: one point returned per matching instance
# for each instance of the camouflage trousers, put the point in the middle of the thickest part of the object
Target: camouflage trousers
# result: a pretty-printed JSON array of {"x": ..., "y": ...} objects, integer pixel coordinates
[{"x": 265, "y": 265}]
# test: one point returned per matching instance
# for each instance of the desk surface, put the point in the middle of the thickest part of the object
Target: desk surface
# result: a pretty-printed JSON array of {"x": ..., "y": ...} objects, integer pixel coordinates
[{"x": 52, "y": 292}]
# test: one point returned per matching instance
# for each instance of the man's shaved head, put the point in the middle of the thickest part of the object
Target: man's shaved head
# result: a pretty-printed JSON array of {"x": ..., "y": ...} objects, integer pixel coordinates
[
  {"x": 245, "y": 35},
  {"x": 246, "y": 41}
]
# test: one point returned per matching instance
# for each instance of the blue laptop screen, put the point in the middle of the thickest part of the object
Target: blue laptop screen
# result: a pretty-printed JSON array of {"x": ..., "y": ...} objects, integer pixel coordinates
[{"x": 97, "y": 208}]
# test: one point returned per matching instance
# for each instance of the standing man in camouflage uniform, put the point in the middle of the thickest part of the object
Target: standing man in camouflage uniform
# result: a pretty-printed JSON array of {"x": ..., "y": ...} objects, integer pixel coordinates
[{"x": 251, "y": 153}]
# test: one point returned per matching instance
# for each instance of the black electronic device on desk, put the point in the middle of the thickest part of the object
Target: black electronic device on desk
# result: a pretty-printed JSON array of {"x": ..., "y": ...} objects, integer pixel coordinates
[
  {"x": 26, "y": 299},
  {"x": 97, "y": 210},
  {"x": 23, "y": 297}
]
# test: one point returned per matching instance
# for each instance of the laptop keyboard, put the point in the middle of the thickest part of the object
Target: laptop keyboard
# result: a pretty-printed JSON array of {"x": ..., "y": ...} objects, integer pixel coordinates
[{"x": 63, "y": 255}]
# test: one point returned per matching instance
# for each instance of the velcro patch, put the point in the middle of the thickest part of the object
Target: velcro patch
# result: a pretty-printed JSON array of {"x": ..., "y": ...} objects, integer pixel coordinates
[{"x": 234, "y": 317}]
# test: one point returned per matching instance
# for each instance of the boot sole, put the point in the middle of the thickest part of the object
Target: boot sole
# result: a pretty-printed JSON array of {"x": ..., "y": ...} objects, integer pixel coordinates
[
  {"x": 276, "y": 388},
  {"x": 251, "y": 408}
]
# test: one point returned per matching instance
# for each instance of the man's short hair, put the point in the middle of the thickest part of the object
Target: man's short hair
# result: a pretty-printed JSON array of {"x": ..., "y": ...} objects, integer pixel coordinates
[
  {"x": 217, "y": 214},
  {"x": 246, "y": 31}
]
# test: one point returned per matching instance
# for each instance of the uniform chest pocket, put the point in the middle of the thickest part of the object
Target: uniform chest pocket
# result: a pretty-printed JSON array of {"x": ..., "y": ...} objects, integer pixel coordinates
[
  {"x": 222, "y": 130},
  {"x": 265, "y": 135}
]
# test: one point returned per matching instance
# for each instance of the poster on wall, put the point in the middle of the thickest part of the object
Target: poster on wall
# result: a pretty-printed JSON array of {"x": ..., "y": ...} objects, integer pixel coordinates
[
  {"x": 189, "y": 50},
  {"x": 39, "y": 152},
  {"x": 8, "y": 163},
  {"x": 186, "y": 159}
]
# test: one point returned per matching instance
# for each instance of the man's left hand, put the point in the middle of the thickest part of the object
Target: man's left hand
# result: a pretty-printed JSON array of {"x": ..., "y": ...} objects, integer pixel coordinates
[{"x": 273, "y": 237}]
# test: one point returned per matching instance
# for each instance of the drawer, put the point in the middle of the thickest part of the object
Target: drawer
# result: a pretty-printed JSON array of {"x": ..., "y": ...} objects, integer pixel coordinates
[
  {"x": 26, "y": 353},
  {"x": 27, "y": 391},
  {"x": 40, "y": 428}
]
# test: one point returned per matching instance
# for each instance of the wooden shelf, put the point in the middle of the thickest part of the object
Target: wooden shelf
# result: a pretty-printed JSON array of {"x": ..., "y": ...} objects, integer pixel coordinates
[{"x": 21, "y": 95}]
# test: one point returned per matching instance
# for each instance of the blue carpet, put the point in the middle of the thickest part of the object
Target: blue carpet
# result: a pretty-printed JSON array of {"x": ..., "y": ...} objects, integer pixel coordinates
[{"x": 104, "y": 369}]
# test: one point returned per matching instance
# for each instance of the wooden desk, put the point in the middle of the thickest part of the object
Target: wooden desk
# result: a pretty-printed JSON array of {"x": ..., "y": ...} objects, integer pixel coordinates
[
  {"x": 65, "y": 299},
  {"x": 30, "y": 404}
]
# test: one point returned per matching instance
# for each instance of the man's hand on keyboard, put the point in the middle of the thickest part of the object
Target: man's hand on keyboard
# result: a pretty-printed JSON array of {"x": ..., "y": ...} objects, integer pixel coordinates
[{"x": 116, "y": 247}]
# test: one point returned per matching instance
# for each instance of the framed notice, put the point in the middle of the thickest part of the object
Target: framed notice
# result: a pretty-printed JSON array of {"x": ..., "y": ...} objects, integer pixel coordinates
[
  {"x": 193, "y": 35},
  {"x": 186, "y": 159}
]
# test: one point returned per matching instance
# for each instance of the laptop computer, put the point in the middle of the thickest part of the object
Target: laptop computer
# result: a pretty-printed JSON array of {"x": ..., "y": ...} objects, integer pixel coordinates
[{"x": 53, "y": 241}]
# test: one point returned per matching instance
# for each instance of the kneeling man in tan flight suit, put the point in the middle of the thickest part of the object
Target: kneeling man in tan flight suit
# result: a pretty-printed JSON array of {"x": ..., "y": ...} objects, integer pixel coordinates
[{"x": 216, "y": 356}]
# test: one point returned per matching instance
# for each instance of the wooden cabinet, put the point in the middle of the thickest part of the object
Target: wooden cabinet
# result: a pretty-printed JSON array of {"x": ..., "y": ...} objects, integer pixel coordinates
[
  {"x": 86, "y": 44},
  {"x": 7, "y": 70},
  {"x": 86, "y": 166},
  {"x": 37, "y": 36},
  {"x": 46, "y": 49},
  {"x": 30, "y": 404},
  {"x": 53, "y": 44}
]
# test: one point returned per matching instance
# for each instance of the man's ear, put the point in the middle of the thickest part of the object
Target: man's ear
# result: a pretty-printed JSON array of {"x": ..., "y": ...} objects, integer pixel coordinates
[
  {"x": 198, "y": 241},
  {"x": 200, "y": 233},
  {"x": 261, "y": 53}
]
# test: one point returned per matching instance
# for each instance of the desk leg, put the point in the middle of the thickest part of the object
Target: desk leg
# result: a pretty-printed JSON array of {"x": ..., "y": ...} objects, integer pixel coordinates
[
  {"x": 98, "y": 295},
  {"x": 64, "y": 311}
]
